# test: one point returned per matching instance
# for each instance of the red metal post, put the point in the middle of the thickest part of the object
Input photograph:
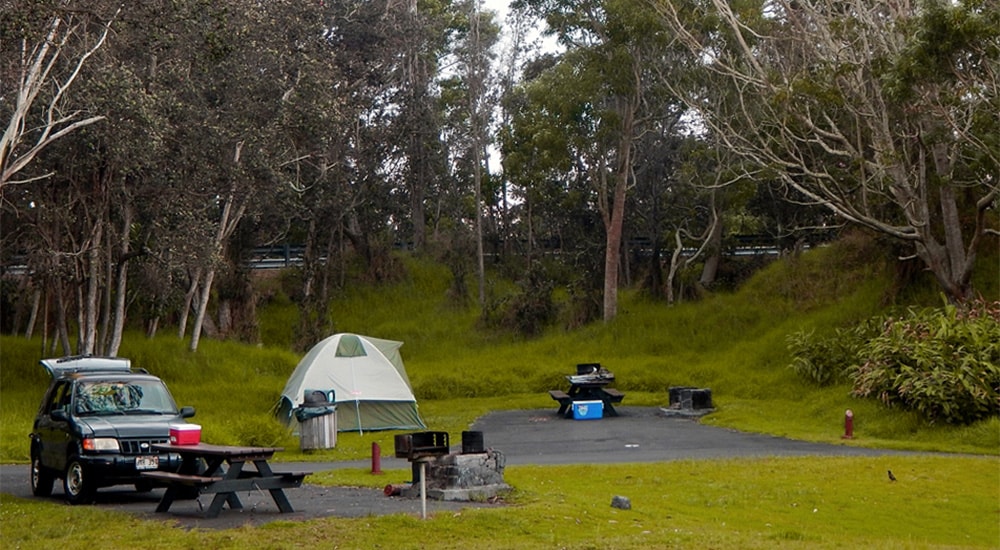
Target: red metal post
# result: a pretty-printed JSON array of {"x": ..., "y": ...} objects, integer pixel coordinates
[
  {"x": 376, "y": 458},
  {"x": 848, "y": 425}
]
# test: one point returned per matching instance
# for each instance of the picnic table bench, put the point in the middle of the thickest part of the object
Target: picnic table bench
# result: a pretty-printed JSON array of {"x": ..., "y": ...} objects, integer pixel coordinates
[
  {"x": 224, "y": 476},
  {"x": 189, "y": 480}
]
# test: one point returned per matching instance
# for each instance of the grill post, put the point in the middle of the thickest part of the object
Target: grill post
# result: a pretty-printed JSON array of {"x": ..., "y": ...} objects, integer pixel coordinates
[{"x": 423, "y": 489}]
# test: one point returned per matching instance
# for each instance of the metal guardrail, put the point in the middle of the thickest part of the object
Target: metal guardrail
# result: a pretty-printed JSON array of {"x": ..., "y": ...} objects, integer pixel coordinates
[{"x": 280, "y": 257}]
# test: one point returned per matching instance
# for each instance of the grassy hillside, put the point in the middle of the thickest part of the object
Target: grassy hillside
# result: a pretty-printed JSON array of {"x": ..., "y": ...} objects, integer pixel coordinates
[{"x": 734, "y": 344}]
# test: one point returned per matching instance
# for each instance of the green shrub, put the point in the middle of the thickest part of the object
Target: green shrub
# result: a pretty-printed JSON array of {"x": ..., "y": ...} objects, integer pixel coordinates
[
  {"x": 820, "y": 360},
  {"x": 527, "y": 312},
  {"x": 941, "y": 362},
  {"x": 827, "y": 361}
]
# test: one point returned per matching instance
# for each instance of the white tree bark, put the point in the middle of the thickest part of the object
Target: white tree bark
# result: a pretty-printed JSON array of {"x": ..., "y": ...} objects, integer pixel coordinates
[
  {"x": 233, "y": 208},
  {"x": 24, "y": 139}
]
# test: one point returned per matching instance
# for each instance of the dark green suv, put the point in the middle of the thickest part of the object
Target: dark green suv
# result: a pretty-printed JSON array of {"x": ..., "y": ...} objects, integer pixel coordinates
[{"x": 96, "y": 427}]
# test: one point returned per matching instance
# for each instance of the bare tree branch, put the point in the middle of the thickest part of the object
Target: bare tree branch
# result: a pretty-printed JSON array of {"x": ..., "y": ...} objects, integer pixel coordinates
[{"x": 36, "y": 74}]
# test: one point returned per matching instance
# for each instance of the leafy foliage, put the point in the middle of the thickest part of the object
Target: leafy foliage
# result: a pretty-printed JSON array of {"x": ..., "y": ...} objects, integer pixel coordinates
[
  {"x": 527, "y": 312},
  {"x": 826, "y": 360},
  {"x": 943, "y": 363}
]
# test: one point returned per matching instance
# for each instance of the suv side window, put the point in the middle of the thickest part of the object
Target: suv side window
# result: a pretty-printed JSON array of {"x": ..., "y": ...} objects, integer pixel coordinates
[{"x": 60, "y": 398}]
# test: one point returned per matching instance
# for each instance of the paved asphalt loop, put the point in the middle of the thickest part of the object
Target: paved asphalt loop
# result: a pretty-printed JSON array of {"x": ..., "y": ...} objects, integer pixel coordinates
[{"x": 524, "y": 437}]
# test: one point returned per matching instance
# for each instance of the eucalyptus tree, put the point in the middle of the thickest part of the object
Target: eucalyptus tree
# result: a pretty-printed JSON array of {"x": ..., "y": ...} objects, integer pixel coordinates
[
  {"x": 208, "y": 67},
  {"x": 883, "y": 112},
  {"x": 44, "y": 47},
  {"x": 471, "y": 100},
  {"x": 425, "y": 27},
  {"x": 342, "y": 165},
  {"x": 602, "y": 92},
  {"x": 192, "y": 93},
  {"x": 516, "y": 47},
  {"x": 69, "y": 211}
]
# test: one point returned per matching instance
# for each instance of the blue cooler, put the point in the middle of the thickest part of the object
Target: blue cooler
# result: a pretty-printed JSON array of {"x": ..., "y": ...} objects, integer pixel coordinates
[{"x": 588, "y": 410}]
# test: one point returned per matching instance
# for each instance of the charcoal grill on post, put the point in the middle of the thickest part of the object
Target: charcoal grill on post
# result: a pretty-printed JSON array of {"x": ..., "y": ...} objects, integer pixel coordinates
[
  {"x": 421, "y": 445},
  {"x": 419, "y": 448}
]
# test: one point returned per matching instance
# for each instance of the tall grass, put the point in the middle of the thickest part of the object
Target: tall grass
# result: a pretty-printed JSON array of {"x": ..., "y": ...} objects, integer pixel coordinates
[{"x": 733, "y": 343}]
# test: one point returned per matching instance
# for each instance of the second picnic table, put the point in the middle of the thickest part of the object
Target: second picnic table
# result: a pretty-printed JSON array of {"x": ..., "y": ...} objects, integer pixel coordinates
[
  {"x": 589, "y": 386},
  {"x": 224, "y": 475}
]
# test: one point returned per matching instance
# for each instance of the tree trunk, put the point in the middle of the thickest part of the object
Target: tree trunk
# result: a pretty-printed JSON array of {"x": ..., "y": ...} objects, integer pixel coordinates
[
  {"x": 480, "y": 262},
  {"x": 228, "y": 220},
  {"x": 121, "y": 284},
  {"x": 616, "y": 220},
  {"x": 675, "y": 265},
  {"x": 104, "y": 323},
  {"x": 613, "y": 246},
  {"x": 188, "y": 303},
  {"x": 199, "y": 318},
  {"x": 62, "y": 331},
  {"x": 92, "y": 283},
  {"x": 714, "y": 248},
  {"x": 36, "y": 300},
  {"x": 225, "y": 315},
  {"x": 417, "y": 186}
]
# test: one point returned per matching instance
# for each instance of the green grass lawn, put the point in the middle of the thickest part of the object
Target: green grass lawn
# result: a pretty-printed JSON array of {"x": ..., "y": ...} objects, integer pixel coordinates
[
  {"x": 938, "y": 502},
  {"x": 734, "y": 344}
]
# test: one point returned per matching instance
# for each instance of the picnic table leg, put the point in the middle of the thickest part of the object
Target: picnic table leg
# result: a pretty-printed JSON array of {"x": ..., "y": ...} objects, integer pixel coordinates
[
  {"x": 277, "y": 493},
  {"x": 282, "y": 501},
  {"x": 216, "y": 507},
  {"x": 231, "y": 497},
  {"x": 167, "y": 499},
  {"x": 221, "y": 499}
]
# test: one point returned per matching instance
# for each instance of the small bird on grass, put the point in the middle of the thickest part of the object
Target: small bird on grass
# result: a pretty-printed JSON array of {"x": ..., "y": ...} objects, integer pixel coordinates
[{"x": 891, "y": 477}]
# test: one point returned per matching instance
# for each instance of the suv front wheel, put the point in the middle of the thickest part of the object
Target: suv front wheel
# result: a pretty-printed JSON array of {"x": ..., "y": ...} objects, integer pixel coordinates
[
  {"x": 77, "y": 484},
  {"x": 41, "y": 478}
]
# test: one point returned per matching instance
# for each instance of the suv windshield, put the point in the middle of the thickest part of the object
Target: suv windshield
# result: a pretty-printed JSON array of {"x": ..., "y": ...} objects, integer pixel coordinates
[{"x": 113, "y": 397}]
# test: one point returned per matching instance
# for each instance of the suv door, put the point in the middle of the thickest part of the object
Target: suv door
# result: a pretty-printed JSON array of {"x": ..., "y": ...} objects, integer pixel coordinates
[{"x": 54, "y": 433}]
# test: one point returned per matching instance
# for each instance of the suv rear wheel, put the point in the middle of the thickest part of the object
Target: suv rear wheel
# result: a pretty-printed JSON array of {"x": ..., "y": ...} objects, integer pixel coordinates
[
  {"x": 77, "y": 484},
  {"x": 41, "y": 478}
]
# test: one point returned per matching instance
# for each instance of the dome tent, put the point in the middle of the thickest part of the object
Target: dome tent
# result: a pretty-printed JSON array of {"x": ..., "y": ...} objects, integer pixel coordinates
[{"x": 366, "y": 375}]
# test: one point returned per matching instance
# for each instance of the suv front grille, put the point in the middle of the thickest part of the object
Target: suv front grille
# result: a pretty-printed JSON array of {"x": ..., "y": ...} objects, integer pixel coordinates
[{"x": 139, "y": 446}]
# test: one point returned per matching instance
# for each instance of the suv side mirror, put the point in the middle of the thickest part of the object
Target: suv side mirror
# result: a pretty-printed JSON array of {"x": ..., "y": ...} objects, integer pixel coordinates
[{"x": 187, "y": 412}]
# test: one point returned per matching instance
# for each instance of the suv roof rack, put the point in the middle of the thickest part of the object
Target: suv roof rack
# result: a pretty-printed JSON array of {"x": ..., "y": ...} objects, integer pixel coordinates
[{"x": 85, "y": 363}]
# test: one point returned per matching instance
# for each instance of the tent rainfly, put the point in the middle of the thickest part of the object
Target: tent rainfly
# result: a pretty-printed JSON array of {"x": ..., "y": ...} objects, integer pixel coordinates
[{"x": 369, "y": 383}]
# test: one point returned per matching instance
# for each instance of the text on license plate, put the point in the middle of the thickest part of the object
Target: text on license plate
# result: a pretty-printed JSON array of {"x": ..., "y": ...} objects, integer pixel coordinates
[{"x": 147, "y": 462}]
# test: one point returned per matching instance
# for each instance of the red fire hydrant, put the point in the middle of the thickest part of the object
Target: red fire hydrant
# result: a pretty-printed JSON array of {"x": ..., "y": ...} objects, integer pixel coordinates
[
  {"x": 848, "y": 425},
  {"x": 376, "y": 459}
]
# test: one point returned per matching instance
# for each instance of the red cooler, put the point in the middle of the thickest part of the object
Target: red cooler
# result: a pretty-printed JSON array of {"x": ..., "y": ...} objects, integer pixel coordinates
[{"x": 185, "y": 434}]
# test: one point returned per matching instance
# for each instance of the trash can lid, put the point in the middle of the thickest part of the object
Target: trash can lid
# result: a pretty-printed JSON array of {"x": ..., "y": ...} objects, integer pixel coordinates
[{"x": 315, "y": 399}]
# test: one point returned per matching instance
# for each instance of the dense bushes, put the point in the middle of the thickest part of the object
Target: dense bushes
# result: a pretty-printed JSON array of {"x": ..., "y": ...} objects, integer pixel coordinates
[
  {"x": 942, "y": 362},
  {"x": 526, "y": 312}
]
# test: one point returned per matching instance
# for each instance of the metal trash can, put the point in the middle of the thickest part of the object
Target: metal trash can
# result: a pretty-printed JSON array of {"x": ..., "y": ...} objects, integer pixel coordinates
[
  {"x": 319, "y": 432},
  {"x": 317, "y": 421},
  {"x": 472, "y": 443},
  {"x": 690, "y": 398}
]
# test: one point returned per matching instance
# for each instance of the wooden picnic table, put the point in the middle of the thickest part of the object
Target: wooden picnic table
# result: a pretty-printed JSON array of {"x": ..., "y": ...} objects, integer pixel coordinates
[
  {"x": 224, "y": 475},
  {"x": 588, "y": 387}
]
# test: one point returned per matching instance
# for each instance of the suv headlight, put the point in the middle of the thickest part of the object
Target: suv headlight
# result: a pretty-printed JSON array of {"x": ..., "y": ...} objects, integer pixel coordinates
[{"x": 99, "y": 444}]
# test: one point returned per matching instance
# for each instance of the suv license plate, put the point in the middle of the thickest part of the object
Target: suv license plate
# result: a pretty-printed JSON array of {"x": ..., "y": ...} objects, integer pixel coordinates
[{"x": 147, "y": 462}]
